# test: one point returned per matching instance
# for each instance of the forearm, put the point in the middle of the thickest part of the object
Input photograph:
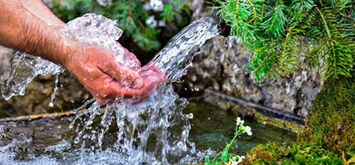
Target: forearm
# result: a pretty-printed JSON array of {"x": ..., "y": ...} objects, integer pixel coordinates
[
  {"x": 22, "y": 29},
  {"x": 41, "y": 11}
]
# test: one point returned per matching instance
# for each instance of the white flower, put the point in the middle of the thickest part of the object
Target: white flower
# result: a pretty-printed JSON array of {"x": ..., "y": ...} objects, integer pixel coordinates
[
  {"x": 147, "y": 6},
  {"x": 151, "y": 22},
  {"x": 239, "y": 160},
  {"x": 239, "y": 121},
  {"x": 156, "y": 5},
  {"x": 248, "y": 130}
]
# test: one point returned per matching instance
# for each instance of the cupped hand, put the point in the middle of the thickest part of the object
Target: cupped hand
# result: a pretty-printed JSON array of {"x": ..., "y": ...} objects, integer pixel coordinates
[
  {"x": 107, "y": 80},
  {"x": 129, "y": 56},
  {"x": 151, "y": 69},
  {"x": 149, "y": 72}
]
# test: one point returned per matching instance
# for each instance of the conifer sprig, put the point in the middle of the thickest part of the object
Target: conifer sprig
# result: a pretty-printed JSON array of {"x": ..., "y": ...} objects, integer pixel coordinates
[{"x": 280, "y": 32}]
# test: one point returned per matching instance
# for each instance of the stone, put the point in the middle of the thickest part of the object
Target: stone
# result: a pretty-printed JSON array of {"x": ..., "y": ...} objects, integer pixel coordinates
[
  {"x": 70, "y": 94},
  {"x": 5, "y": 62},
  {"x": 222, "y": 66}
]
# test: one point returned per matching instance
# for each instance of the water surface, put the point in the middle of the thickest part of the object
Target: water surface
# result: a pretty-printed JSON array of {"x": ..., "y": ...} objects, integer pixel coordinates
[
  {"x": 212, "y": 127},
  {"x": 51, "y": 141}
]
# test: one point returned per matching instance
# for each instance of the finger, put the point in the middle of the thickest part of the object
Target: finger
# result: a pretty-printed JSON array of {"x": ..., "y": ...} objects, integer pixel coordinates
[
  {"x": 145, "y": 95},
  {"x": 137, "y": 84},
  {"x": 147, "y": 66},
  {"x": 147, "y": 73},
  {"x": 149, "y": 83},
  {"x": 100, "y": 97},
  {"x": 126, "y": 77},
  {"x": 104, "y": 101},
  {"x": 151, "y": 68}
]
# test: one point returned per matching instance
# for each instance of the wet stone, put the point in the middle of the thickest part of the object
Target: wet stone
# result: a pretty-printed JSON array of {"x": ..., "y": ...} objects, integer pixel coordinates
[
  {"x": 70, "y": 95},
  {"x": 222, "y": 66}
]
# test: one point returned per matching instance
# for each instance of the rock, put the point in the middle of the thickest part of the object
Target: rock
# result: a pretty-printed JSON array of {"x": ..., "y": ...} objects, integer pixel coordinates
[
  {"x": 197, "y": 7},
  {"x": 70, "y": 94},
  {"x": 5, "y": 62},
  {"x": 222, "y": 66}
]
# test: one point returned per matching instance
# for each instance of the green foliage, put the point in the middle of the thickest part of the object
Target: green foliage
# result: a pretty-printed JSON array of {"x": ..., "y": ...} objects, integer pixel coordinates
[
  {"x": 180, "y": 13},
  {"x": 328, "y": 136},
  {"x": 131, "y": 17},
  {"x": 331, "y": 121},
  {"x": 272, "y": 153},
  {"x": 224, "y": 156},
  {"x": 279, "y": 32}
]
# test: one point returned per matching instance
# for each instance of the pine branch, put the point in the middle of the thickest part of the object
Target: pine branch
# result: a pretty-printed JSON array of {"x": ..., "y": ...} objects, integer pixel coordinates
[{"x": 327, "y": 28}]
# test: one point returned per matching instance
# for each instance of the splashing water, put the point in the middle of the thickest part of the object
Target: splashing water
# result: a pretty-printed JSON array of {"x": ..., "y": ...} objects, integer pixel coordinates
[
  {"x": 100, "y": 31},
  {"x": 54, "y": 90},
  {"x": 154, "y": 131},
  {"x": 24, "y": 68},
  {"x": 177, "y": 55},
  {"x": 91, "y": 29}
]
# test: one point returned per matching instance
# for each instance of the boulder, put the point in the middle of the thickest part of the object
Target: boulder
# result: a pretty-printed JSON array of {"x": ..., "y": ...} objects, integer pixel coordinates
[{"x": 222, "y": 66}]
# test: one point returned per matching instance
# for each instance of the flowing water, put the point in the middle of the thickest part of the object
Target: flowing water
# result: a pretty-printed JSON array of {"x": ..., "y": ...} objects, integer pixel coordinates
[
  {"x": 158, "y": 120},
  {"x": 50, "y": 141},
  {"x": 155, "y": 131}
]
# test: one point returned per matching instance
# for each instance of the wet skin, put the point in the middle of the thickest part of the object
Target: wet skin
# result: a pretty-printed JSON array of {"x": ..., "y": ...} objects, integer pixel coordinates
[
  {"x": 108, "y": 80},
  {"x": 28, "y": 25}
]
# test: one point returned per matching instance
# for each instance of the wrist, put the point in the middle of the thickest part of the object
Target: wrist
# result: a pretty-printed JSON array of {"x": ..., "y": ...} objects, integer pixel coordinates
[
  {"x": 67, "y": 50},
  {"x": 64, "y": 49}
]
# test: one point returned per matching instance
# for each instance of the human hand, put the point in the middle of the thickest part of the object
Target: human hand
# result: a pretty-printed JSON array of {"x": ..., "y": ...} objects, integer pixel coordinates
[
  {"x": 129, "y": 56},
  {"x": 151, "y": 69},
  {"x": 149, "y": 72},
  {"x": 107, "y": 80},
  {"x": 35, "y": 30}
]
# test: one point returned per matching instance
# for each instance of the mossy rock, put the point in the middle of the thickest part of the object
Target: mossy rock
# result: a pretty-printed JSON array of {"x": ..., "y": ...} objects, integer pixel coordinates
[
  {"x": 291, "y": 126},
  {"x": 297, "y": 154},
  {"x": 328, "y": 136},
  {"x": 331, "y": 121}
]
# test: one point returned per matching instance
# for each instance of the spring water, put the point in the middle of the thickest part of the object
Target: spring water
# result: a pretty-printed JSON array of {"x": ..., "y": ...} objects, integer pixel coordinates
[{"x": 154, "y": 131}]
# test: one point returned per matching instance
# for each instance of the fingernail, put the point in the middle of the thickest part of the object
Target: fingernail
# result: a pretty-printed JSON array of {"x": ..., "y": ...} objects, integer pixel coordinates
[{"x": 138, "y": 83}]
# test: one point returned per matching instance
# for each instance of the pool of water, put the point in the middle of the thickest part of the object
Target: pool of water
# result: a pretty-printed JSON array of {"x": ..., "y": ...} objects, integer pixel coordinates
[
  {"x": 51, "y": 141},
  {"x": 212, "y": 127}
]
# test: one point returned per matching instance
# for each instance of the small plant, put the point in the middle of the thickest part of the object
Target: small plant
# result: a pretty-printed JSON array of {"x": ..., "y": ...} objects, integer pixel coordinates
[
  {"x": 224, "y": 156},
  {"x": 142, "y": 21}
]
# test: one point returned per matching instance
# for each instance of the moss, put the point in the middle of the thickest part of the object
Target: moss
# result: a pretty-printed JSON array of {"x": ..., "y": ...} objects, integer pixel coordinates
[
  {"x": 278, "y": 123},
  {"x": 328, "y": 136},
  {"x": 331, "y": 121},
  {"x": 297, "y": 154}
]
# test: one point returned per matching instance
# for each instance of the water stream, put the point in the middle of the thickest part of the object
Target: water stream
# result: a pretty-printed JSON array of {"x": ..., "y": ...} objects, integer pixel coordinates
[{"x": 154, "y": 131}]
